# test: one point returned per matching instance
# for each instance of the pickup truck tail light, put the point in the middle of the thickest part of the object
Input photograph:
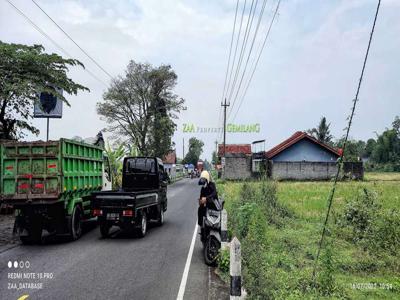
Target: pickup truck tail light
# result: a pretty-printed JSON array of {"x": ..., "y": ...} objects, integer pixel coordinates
[
  {"x": 97, "y": 212},
  {"x": 128, "y": 213}
]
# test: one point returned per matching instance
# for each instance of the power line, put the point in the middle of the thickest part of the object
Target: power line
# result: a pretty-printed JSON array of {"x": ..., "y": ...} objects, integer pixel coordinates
[
  {"x": 258, "y": 59},
  {"x": 229, "y": 60},
  {"x": 51, "y": 40},
  {"x": 332, "y": 193},
  {"x": 237, "y": 44},
  {"x": 69, "y": 37},
  {"x": 244, "y": 45},
  {"x": 249, "y": 54},
  {"x": 235, "y": 52},
  {"x": 230, "y": 50}
]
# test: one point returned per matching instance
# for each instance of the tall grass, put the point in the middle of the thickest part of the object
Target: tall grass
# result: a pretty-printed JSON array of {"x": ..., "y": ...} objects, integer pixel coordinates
[{"x": 279, "y": 225}]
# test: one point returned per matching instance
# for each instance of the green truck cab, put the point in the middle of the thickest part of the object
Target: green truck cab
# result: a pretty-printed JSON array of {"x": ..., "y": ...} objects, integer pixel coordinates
[{"x": 50, "y": 185}]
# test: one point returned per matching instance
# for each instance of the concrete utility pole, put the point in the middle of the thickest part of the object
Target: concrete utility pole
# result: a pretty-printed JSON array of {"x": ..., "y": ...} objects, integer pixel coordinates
[
  {"x": 225, "y": 105},
  {"x": 183, "y": 148}
]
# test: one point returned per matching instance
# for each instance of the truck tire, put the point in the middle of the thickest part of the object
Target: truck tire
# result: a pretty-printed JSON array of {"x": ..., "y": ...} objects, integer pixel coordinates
[
  {"x": 142, "y": 229},
  {"x": 160, "y": 219},
  {"x": 104, "y": 229},
  {"x": 75, "y": 225},
  {"x": 34, "y": 236}
]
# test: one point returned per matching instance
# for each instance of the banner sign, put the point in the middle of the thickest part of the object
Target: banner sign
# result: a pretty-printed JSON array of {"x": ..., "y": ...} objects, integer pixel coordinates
[{"x": 230, "y": 128}]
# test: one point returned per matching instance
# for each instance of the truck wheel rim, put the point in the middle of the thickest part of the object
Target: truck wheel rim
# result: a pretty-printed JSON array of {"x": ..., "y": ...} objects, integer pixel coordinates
[
  {"x": 144, "y": 224},
  {"x": 77, "y": 224}
]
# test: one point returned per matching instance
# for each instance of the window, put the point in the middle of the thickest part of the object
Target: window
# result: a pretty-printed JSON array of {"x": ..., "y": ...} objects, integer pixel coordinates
[
  {"x": 140, "y": 165},
  {"x": 258, "y": 165}
]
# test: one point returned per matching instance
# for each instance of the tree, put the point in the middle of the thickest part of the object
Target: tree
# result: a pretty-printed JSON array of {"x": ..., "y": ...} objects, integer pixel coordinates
[
  {"x": 25, "y": 72},
  {"x": 387, "y": 149},
  {"x": 354, "y": 149},
  {"x": 214, "y": 159},
  {"x": 140, "y": 108},
  {"x": 115, "y": 155},
  {"x": 207, "y": 165},
  {"x": 369, "y": 148},
  {"x": 195, "y": 150},
  {"x": 396, "y": 125},
  {"x": 322, "y": 132}
]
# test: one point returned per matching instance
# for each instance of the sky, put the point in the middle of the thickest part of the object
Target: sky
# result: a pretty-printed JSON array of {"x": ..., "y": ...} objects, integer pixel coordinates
[{"x": 309, "y": 68}]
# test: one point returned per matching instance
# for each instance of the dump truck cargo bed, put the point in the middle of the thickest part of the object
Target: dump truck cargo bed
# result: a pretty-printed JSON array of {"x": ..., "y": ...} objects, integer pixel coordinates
[{"x": 44, "y": 172}]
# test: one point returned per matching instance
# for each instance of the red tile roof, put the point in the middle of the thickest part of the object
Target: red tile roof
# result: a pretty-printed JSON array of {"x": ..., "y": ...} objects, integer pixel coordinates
[
  {"x": 234, "y": 148},
  {"x": 299, "y": 135},
  {"x": 170, "y": 158}
]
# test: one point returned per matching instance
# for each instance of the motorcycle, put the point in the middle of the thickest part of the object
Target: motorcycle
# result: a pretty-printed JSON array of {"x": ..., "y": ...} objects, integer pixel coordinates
[{"x": 211, "y": 231}]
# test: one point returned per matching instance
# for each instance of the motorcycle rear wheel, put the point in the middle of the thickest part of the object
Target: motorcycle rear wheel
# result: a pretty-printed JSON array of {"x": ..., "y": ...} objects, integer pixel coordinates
[{"x": 211, "y": 251}]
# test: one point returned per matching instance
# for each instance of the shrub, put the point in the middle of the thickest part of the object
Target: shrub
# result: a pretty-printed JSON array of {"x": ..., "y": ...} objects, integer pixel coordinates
[
  {"x": 371, "y": 226},
  {"x": 326, "y": 279},
  {"x": 268, "y": 201},
  {"x": 386, "y": 233},
  {"x": 360, "y": 214},
  {"x": 244, "y": 216},
  {"x": 224, "y": 261},
  {"x": 256, "y": 277}
]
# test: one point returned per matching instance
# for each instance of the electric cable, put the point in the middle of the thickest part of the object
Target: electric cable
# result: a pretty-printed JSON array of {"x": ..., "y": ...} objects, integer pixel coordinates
[
  {"x": 237, "y": 44},
  {"x": 244, "y": 46},
  {"x": 350, "y": 119},
  {"x": 70, "y": 38},
  {"x": 52, "y": 40},
  {"x": 249, "y": 55},
  {"x": 258, "y": 59}
]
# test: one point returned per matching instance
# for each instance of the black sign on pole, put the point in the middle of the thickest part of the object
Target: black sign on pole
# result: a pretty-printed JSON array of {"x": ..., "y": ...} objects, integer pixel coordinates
[{"x": 48, "y": 106}]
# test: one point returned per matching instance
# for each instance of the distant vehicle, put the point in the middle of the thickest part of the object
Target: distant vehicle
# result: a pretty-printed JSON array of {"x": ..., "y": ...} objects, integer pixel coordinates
[
  {"x": 50, "y": 183},
  {"x": 200, "y": 166},
  {"x": 190, "y": 170},
  {"x": 143, "y": 197}
]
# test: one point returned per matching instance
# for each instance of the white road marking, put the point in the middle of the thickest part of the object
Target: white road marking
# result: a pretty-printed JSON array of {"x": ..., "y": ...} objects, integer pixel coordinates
[{"x": 185, "y": 274}]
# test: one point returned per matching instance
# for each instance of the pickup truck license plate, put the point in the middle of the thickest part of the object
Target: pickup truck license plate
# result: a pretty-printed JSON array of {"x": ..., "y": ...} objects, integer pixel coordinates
[{"x": 112, "y": 216}]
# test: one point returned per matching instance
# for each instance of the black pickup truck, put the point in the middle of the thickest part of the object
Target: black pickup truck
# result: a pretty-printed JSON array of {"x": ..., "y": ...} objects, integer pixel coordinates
[{"x": 143, "y": 197}]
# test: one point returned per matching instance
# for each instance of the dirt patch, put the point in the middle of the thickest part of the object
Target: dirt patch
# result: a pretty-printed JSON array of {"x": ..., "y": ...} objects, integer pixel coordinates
[
  {"x": 6, "y": 228},
  {"x": 218, "y": 289}
]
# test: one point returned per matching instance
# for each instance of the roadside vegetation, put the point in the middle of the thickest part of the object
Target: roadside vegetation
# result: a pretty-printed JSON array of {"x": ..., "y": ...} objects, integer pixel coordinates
[
  {"x": 380, "y": 154},
  {"x": 279, "y": 225}
]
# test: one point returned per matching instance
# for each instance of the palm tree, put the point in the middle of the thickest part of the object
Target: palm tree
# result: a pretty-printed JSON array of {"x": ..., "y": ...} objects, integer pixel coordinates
[{"x": 322, "y": 132}]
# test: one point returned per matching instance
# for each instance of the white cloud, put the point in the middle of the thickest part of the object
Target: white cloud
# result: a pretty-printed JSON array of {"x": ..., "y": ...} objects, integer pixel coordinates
[{"x": 309, "y": 68}]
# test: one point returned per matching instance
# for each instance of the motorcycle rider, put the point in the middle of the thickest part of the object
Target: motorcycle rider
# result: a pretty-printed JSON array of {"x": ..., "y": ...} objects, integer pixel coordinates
[{"x": 208, "y": 192}]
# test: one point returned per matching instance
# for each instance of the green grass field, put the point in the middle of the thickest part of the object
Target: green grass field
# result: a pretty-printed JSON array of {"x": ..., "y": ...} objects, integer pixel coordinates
[{"x": 359, "y": 273}]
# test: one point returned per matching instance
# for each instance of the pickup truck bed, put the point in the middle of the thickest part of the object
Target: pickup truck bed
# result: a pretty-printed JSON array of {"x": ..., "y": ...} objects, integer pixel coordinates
[
  {"x": 143, "y": 197},
  {"x": 122, "y": 199}
]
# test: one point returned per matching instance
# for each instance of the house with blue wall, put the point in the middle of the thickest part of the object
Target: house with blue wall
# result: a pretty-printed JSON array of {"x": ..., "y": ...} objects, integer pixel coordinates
[
  {"x": 302, "y": 147},
  {"x": 302, "y": 157}
]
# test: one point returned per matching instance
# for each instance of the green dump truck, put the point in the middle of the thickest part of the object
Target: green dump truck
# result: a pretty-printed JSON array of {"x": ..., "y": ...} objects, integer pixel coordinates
[{"x": 50, "y": 185}]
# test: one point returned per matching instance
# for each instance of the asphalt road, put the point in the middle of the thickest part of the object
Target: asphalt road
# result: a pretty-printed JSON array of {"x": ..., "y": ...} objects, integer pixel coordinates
[{"x": 120, "y": 267}]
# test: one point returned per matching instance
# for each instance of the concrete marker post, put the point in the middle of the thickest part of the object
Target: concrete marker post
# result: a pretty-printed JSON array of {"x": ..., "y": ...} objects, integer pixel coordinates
[
  {"x": 224, "y": 229},
  {"x": 235, "y": 270}
]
